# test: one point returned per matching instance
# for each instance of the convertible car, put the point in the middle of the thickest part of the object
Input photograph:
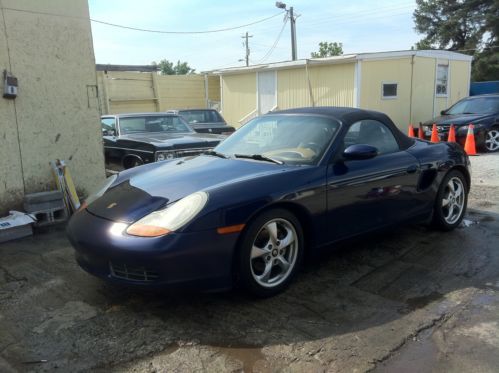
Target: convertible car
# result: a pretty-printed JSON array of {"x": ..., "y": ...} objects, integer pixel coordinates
[{"x": 282, "y": 186}]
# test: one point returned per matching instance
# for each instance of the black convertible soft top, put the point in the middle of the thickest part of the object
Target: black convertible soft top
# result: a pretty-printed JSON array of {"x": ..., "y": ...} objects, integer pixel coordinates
[{"x": 348, "y": 116}]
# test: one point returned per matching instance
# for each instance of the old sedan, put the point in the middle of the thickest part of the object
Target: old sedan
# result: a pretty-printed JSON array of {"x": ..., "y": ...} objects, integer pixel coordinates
[
  {"x": 280, "y": 187},
  {"x": 135, "y": 139}
]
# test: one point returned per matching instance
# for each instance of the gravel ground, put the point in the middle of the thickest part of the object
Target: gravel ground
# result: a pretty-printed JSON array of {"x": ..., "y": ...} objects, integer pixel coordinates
[{"x": 411, "y": 300}]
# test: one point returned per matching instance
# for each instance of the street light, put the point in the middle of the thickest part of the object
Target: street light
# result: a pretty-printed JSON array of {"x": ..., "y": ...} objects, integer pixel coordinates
[{"x": 292, "y": 18}]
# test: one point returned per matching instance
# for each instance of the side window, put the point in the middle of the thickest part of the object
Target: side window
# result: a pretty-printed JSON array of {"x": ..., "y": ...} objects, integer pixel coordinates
[
  {"x": 108, "y": 126},
  {"x": 374, "y": 133}
]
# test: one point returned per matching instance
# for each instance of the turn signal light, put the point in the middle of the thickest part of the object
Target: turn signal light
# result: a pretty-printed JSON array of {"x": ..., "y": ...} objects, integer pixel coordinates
[
  {"x": 147, "y": 231},
  {"x": 230, "y": 229}
]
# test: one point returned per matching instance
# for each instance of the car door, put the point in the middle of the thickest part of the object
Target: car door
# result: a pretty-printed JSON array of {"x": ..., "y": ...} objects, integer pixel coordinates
[
  {"x": 109, "y": 133},
  {"x": 366, "y": 194}
]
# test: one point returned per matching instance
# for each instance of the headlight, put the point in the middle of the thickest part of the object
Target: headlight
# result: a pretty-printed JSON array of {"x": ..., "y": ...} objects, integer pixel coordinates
[
  {"x": 164, "y": 156},
  {"x": 159, "y": 223},
  {"x": 99, "y": 191}
]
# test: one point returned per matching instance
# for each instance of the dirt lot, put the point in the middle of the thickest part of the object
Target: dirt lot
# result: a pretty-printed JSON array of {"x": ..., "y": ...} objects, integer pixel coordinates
[{"x": 412, "y": 300}]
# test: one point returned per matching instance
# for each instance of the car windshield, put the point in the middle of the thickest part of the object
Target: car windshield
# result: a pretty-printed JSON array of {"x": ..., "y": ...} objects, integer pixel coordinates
[
  {"x": 292, "y": 139},
  {"x": 482, "y": 105},
  {"x": 153, "y": 123},
  {"x": 201, "y": 116}
]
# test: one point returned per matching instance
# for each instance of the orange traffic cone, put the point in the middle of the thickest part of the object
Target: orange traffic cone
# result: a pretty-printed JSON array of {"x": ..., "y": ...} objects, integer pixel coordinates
[
  {"x": 469, "y": 145},
  {"x": 410, "y": 133},
  {"x": 421, "y": 132},
  {"x": 452, "y": 134},
  {"x": 434, "y": 134}
]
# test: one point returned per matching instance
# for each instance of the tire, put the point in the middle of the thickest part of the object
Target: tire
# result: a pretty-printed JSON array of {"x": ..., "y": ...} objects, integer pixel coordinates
[
  {"x": 492, "y": 140},
  {"x": 267, "y": 261},
  {"x": 451, "y": 202},
  {"x": 130, "y": 162}
]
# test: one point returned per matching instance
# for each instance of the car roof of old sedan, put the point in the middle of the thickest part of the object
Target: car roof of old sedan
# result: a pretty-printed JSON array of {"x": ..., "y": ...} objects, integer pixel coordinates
[{"x": 142, "y": 114}]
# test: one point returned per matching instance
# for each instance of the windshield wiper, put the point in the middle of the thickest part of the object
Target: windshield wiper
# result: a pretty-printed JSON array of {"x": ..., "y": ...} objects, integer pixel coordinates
[
  {"x": 215, "y": 153},
  {"x": 258, "y": 157}
]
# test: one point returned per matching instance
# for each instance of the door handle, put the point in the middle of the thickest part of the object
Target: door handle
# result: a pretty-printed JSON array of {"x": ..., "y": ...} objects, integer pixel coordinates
[{"x": 412, "y": 169}]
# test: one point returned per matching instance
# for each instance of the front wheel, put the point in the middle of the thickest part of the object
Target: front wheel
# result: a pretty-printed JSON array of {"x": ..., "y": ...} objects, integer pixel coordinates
[
  {"x": 270, "y": 252},
  {"x": 492, "y": 140},
  {"x": 451, "y": 201}
]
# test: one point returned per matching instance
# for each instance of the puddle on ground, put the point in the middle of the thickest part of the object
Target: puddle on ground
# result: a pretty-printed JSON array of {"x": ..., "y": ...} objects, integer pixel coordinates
[
  {"x": 467, "y": 223},
  {"x": 420, "y": 302},
  {"x": 247, "y": 355}
]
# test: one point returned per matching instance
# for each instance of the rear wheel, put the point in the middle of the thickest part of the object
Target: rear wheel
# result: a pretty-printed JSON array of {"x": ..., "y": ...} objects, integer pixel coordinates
[
  {"x": 451, "y": 202},
  {"x": 270, "y": 252},
  {"x": 492, "y": 140}
]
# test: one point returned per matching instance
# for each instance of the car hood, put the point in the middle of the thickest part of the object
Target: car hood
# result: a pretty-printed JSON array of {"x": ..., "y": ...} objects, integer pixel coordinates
[
  {"x": 134, "y": 196},
  {"x": 174, "y": 140},
  {"x": 459, "y": 119}
]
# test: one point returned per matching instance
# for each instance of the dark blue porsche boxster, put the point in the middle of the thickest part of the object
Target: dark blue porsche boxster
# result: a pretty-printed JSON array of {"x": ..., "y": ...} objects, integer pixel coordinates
[{"x": 248, "y": 211}]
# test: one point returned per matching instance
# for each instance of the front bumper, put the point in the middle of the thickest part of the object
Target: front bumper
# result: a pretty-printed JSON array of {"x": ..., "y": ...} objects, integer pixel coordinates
[{"x": 200, "y": 260}]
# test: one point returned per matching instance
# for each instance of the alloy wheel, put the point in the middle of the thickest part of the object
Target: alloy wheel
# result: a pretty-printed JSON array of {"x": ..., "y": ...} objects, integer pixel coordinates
[
  {"x": 453, "y": 200},
  {"x": 492, "y": 140},
  {"x": 274, "y": 253}
]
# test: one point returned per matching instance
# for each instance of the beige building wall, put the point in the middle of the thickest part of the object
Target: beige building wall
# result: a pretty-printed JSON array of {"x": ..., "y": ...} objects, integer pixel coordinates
[
  {"x": 130, "y": 92},
  {"x": 459, "y": 80},
  {"x": 47, "y": 45},
  {"x": 292, "y": 89},
  {"x": 423, "y": 95},
  {"x": 333, "y": 85},
  {"x": 374, "y": 74},
  {"x": 238, "y": 96}
]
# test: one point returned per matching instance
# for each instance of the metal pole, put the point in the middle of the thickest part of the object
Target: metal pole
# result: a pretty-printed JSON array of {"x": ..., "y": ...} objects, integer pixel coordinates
[{"x": 293, "y": 34}]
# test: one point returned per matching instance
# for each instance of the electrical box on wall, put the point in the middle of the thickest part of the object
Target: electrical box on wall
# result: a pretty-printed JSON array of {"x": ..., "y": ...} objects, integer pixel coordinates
[{"x": 9, "y": 85}]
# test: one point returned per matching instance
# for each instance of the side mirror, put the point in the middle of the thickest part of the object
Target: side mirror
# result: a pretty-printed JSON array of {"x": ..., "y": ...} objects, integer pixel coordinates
[
  {"x": 359, "y": 152},
  {"x": 105, "y": 132},
  {"x": 443, "y": 112}
]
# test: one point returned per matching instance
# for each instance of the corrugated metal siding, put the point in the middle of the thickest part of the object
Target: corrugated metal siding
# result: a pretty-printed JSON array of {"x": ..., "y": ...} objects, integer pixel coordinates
[
  {"x": 238, "y": 96},
  {"x": 333, "y": 85},
  {"x": 423, "y": 89},
  {"x": 459, "y": 78},
  {"x": 214, "y": 88},
  {"x": 292, "y": 89},
  {"x": 374, "y": 74}
]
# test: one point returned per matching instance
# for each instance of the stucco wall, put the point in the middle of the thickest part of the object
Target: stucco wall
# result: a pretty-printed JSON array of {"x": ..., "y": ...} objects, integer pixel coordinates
[{"x": 47, "y": 45}]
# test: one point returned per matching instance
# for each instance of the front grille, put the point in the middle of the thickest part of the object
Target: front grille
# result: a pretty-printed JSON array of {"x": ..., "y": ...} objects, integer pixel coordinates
[
  {"x": 132, "y": 273},
  {"x": 190, "y": 152}
]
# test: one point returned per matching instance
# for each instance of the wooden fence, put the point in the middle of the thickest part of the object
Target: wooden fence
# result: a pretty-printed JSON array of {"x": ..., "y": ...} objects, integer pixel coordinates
[{"x": 128, "y": 92}]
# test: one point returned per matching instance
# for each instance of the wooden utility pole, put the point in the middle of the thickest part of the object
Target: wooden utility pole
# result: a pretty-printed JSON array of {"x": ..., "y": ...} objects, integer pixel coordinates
[{"x": 246, "y": 44}]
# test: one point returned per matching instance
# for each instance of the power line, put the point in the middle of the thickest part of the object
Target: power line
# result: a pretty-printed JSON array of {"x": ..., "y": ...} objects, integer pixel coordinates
[
  {"x": 271, "y": 50},
  {"x": 146, "y": 30},
  {"x": 185, "y": 32}
]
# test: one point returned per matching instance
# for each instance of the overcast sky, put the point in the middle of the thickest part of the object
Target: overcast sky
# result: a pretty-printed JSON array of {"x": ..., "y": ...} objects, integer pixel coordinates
[{"x": 361, "y": 25}]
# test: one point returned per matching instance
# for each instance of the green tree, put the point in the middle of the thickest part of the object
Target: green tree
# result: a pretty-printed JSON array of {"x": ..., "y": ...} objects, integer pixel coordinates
[
  {"x": 168, "y": 68},
  {"x": 467, "y": 26},
  {"x": 328, "y": 50}
]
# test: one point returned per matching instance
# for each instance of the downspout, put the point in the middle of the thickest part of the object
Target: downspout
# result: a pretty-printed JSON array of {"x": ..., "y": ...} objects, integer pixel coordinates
[{"x": 310, "y": 94}]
